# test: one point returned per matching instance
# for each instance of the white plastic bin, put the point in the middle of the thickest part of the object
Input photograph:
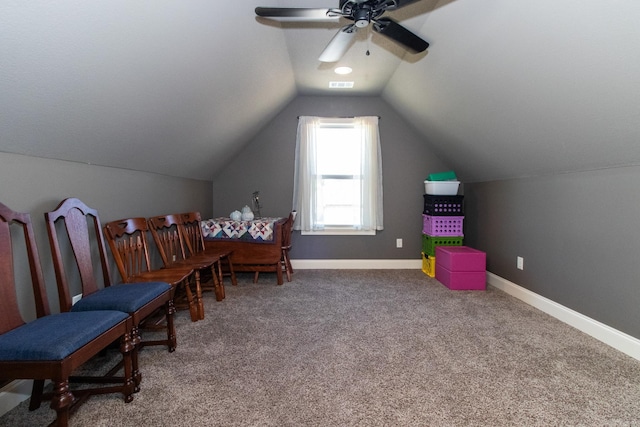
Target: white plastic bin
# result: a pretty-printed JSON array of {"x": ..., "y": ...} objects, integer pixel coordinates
[{"x": 441, "y": 188}]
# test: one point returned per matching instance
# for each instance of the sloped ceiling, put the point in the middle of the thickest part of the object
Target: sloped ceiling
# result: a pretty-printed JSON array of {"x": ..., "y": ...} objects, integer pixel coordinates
[
  {"x": 169, "y": 86},
  {"x": 508, "y": 88},
  {"x": 515, "y": 88}
]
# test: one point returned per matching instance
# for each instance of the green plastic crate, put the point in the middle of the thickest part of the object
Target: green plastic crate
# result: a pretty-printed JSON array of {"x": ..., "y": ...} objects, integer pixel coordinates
[
  {"x": 443, "y": 176},
  {"x": 429, "y": 243}
]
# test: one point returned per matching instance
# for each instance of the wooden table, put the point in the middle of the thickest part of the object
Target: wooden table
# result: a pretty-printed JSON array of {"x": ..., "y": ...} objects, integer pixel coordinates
[{"x": 249, "y": 255}]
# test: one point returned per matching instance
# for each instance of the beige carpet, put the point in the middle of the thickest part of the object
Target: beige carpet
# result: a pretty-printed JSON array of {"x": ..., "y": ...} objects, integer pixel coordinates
[{"x": 370, "y": 348}]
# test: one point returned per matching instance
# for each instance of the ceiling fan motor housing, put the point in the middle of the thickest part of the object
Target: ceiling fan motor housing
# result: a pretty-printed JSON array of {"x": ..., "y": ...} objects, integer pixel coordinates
[{"x": 362, "y": 16}]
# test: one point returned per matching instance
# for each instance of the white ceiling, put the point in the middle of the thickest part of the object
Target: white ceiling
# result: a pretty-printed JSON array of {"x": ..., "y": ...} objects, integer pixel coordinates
[{"x": 508, "y": 88}]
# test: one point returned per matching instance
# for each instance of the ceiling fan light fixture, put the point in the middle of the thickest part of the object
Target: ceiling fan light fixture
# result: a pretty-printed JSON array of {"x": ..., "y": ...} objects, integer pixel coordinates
[{"x": 343, "y": 70}]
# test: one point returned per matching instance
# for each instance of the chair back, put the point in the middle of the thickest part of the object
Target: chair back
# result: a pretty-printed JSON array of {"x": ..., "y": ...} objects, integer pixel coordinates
[
  {"x": 168, "y": 239},
  {"x": 287, "y": 230},
  {"x": 10, "y": 317},
  {"x": 82, "y": 225},
  {"x": 127, "y": 239},
  {"x": 192, "y": 232}
]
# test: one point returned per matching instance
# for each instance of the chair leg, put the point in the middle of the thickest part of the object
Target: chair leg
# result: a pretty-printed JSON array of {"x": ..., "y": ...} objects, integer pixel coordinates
[
  {"x": 193, "y": 308},
  {"x": 232, "y": 273},
  {"x": 279, "y": 274},
  {"x": 199, "y": 296},
  {"x": 289, "y": 266},
  {"x": 170, "y": 310},
  {"x": 136, "y": 340},
  {"x": 286, "y": 271},
  {"x": 255, "y": 276},
  {"x": 129, "y": 352},
  {"x": 36, "y": 394},
  {"x": 286, "y": 263},
  {"x": 218, "y": 285},
  {"x": 62, "y": 400}
]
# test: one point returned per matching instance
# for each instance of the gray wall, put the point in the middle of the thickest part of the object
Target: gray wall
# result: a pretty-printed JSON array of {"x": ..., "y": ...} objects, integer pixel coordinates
[
  {"x": 267, "y": 165},
  {"x": 577, "y": 232},
  {"x": 37, "y": 185}
]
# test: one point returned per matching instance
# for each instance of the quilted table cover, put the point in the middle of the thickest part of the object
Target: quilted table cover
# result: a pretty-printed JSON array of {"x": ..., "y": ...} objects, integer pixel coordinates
[{"x": 258, "y": 230}]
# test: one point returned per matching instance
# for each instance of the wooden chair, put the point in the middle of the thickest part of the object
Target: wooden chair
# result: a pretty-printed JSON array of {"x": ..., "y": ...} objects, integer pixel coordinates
[
  {"x": 194, "y": 241},
  {"x": 53, "y": 346},
  {"x": 286, "y": 244},
  {"x": 127, "y": 239},
  {"x": 82, "y": 231},
  {"x": 165, "y": 230},
  {"x": 285, "y": 261}
]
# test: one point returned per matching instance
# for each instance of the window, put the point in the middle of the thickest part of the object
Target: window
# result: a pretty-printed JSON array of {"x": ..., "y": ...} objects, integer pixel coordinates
[{"x": 338, "y": 176}]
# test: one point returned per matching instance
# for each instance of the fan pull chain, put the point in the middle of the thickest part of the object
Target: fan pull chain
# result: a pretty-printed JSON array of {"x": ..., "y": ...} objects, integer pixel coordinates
[{"x": 367, "y": 53}]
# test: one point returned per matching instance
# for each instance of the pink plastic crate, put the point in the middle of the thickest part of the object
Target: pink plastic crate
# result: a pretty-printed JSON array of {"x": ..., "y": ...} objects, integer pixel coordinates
[
  {"x": 461, "y": 258},
  {"x": 461, "y": 280},
  {"x": 442, "y": 225}
]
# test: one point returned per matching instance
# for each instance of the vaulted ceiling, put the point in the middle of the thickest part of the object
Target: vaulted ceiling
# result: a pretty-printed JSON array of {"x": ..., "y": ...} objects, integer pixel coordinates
[{"x": 508, "y": 88}]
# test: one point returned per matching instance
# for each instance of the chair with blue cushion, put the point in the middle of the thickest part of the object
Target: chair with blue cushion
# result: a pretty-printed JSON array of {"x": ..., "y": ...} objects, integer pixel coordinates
[
  {"x": 82, "y": 234},
  {"x": 53, "y": 346}
]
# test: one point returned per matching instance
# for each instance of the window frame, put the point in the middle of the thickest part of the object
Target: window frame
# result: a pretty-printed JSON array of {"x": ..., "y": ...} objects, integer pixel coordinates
[{"x": 306, "y": 128}]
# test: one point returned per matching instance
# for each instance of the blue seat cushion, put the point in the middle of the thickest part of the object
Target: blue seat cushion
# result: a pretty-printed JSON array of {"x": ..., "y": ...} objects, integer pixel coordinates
[
  {"x": 56, "y": 336},
  {"x": 126, "y": 297}
]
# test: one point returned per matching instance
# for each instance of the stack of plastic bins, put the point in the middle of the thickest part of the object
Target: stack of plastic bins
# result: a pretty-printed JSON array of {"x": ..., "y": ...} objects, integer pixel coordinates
[{"x": 442, "y": 225}]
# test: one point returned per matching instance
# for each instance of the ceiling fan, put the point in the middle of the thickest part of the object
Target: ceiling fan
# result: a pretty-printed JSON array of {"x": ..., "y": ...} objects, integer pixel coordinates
[{"x": 362, "y": 13}]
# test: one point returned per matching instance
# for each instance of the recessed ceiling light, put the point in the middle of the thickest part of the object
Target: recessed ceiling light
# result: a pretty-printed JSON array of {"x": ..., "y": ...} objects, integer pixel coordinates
[{"x": 343, "y": 70}]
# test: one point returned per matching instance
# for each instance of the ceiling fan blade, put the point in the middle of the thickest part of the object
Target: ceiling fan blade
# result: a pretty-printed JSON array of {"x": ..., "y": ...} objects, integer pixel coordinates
[
  {"x": 397, "y": 32},
  {"x": 296, "y": 13},
  {"x": 339, "y": 44}
]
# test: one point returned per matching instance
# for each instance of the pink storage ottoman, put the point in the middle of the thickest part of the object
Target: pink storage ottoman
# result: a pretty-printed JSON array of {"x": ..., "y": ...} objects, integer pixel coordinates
[
  {"x": 461, "y": 258},
  {"x": 461, "y": 267}
]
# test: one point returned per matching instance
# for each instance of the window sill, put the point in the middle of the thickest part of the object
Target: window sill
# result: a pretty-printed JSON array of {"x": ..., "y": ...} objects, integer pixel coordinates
[{"x": 339, "y": 232}]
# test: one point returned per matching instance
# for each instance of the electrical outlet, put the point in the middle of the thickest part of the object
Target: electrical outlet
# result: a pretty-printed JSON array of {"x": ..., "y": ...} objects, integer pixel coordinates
[
  {"x": 398, "y": 243},
  {"x": 520, "y": 263}
]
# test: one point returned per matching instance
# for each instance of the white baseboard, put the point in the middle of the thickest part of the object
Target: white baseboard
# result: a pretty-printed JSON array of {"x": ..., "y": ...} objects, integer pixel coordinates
[
  {"x": 608, "y": 335},
  {"x": 13, "y": 394},
  {"x": 356, "y": 264}
]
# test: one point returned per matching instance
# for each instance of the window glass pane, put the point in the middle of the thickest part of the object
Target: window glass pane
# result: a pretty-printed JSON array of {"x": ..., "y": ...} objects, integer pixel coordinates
[
  {"x": 339, "y": 151},
  {"x": 339, "y": 202},
  {"x": 340, "y": 216},
  {"x": 338, "y": 164}
]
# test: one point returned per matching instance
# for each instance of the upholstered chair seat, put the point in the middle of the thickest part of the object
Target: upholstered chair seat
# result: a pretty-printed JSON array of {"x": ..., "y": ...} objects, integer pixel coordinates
[
  {"x": 57, "y": 336},
  {"x": 126, "y": 297}
]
